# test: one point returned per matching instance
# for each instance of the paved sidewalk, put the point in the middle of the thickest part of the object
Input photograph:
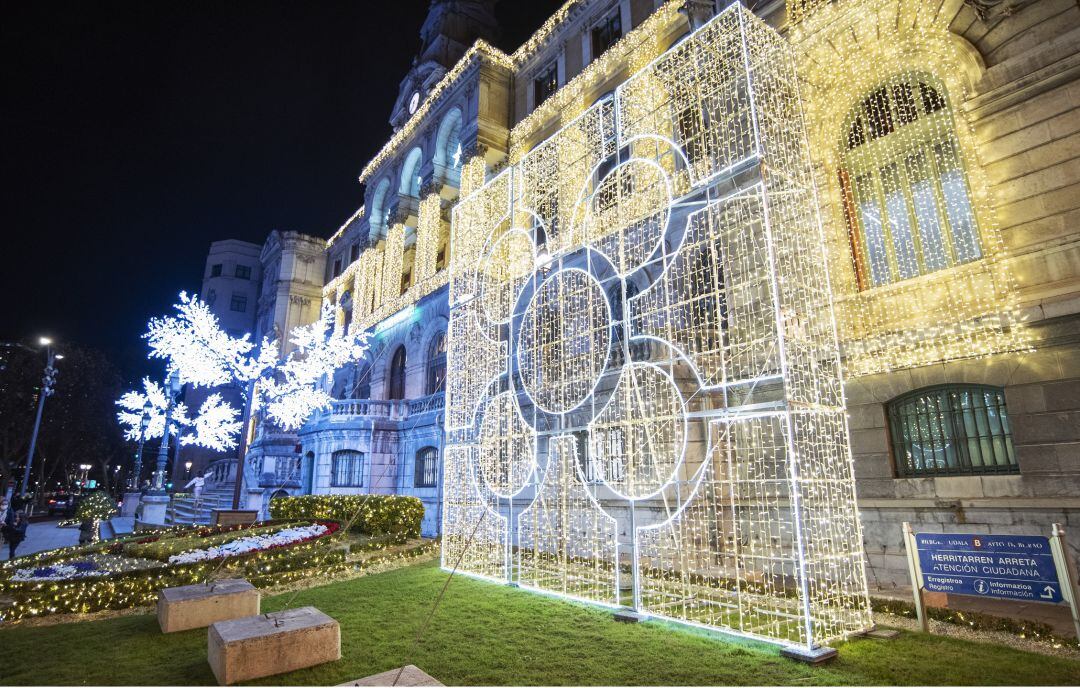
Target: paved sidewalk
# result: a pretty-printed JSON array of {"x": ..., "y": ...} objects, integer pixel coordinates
[{"x": 43, "y": 536}]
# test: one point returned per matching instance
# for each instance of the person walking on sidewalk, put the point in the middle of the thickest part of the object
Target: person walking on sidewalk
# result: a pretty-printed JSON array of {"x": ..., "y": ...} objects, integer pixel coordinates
[
  {"x": 7, "y": 518},
  {"x": 15, "y": 533}
]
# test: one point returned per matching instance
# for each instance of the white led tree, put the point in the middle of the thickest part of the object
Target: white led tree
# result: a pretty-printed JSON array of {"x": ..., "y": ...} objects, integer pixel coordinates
[
  {"x": 216, "y": 426},
  {"x": 288, "y": 389}
]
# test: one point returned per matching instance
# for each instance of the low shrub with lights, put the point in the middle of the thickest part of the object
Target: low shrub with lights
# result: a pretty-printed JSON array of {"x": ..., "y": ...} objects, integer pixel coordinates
[
  {"x": 105, "y": 576},
  {"x": 96, "y": 506},
  {"x": 394, "y": 518}
]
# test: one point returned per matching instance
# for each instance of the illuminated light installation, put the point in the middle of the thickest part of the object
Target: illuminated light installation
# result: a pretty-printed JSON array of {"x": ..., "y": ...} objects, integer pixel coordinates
[
  {"x": 644, "y": 398},
  {"x": 920, "y": 272},
  {"x": 215, "y": 427}
]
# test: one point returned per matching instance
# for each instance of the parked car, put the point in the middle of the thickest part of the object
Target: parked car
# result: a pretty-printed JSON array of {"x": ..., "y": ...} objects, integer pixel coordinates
[{"x": 63, "y": 503}]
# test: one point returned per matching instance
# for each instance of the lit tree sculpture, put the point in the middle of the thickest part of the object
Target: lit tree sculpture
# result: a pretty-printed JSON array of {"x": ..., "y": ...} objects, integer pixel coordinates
[
  {"x": 289, "y": 389},
  {"x": 215, "y": 427}
]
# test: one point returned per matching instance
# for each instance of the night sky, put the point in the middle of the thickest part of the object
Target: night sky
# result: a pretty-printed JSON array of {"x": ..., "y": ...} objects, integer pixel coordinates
[{"x": 135, "y": 133}]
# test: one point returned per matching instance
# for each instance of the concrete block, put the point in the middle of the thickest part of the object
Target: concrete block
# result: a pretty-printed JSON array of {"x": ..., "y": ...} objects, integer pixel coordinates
[
  {"x": 271, "y": 644},
  {"x": 198, "y": 606},
  {"x": 407, "y": 675},
  {"x": 960, "y": 487}
]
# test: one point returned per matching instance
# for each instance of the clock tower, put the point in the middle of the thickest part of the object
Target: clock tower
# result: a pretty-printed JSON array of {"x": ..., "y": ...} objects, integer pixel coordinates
[{"x": 451, "y": 27}]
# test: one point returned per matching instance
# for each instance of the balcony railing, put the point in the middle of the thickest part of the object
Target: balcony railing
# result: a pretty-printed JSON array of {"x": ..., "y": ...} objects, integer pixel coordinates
[{"x": 383, "y": 408}]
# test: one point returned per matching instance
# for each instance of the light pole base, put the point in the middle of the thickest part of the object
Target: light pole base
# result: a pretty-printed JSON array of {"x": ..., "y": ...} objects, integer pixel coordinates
[
  {"x": 131, "y": 502},
  {"x": 154, "y": 508}
]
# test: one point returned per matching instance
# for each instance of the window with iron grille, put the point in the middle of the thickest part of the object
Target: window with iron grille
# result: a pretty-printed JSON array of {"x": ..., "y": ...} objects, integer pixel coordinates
[
  {"x": 347, "y": 468},
  {"x": 427, "y": 467},
  {"x": 951, "y": 430}
]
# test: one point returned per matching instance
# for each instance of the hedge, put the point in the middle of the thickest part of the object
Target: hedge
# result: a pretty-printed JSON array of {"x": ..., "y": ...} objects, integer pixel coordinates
[{"x": 393, "y": 516}]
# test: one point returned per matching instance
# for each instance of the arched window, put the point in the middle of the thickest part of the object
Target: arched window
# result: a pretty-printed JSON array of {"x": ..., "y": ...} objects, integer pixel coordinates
[
  {"x": 347, "y": 468},
  {"x": 410, "y": 174},
  {"x": 427, "y": 468},
  {"x": 379, "y": 209},
  {"x": 395, "y": 384},
  {"x": 950, "y": 430},
  {"x": 436, "y": 363},
  {"x": 906, "y": 195},
  {"x": 448, "y": 147},
  {"x": 362, "y": 384}
]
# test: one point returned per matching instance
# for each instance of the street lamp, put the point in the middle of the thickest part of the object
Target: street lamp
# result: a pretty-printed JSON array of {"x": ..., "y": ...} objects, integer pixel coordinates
[
  {"x": 144, "y": 422},
  {"x": 187, "y": 469},
  {"x": 172, "y": 389},
  {"x": 47, "y": 382},
  {"x": 85, "y": 468}
]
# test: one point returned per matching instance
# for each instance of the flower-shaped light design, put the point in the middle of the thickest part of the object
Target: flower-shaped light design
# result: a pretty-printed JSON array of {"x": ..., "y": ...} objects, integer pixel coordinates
[{"x": 644, "y": 403}]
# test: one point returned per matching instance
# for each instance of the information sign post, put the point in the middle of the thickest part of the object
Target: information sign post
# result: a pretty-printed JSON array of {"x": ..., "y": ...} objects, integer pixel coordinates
[{"x": 1027, "y": 568}]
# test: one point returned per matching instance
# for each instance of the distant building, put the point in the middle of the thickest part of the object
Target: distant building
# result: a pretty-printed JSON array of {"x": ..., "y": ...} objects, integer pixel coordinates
[{"x": 944, "y": 139}]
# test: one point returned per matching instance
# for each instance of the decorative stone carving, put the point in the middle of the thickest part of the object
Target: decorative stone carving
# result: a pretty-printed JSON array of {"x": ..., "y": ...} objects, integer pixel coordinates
[{"x": 993, "y": 9}]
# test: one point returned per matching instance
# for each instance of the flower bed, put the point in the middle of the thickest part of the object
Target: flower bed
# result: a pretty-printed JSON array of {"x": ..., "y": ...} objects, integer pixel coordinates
[
  {"x": 105, "y": 576},
  {"x": 393, "y": 518}
]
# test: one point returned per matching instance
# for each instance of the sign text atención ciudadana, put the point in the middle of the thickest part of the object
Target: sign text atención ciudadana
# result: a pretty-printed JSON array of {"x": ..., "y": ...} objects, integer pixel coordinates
[{"x": 1015, "y": 567}]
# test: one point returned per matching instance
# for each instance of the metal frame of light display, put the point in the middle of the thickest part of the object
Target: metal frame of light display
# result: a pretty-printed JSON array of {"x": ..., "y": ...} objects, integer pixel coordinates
[{"x": 644, "y": 397}]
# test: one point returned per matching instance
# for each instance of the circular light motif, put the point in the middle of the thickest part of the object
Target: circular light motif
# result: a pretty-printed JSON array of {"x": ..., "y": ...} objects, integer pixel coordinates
[
  {"x": 503, "y": 271},
  {"x": 637, "y": 442},
  {"x": 565, "y": 335},
  {"x": 628, "y": 212}
]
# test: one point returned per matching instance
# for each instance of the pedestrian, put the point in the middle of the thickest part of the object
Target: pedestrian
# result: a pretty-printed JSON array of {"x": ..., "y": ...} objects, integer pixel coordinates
[
  {"x": 198, "y": 482},
  {"x": 15, "y": 533},
  {"x": 86, "y": 532},
  {"x": 7, "y": 518}
]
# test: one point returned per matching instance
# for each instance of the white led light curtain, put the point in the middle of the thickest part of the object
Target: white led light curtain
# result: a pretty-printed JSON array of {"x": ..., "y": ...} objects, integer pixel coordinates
[{"x": 644, "y": 401}]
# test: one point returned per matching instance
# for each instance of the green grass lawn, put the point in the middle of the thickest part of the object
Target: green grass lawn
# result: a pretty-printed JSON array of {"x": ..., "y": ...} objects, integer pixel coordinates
[{"x": 485, "y": 633}]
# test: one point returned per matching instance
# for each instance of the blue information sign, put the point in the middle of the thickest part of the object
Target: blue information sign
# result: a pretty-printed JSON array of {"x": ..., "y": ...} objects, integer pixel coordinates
[{"x": 1014, "y": 567}]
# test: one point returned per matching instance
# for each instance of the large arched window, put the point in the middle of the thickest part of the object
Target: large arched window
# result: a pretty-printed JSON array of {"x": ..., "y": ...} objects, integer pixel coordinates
[
  {"x": 448, "y": 141},
  {"x": 362, "y": 384},
  {"x": 436, "y": 363},
  {"x": 395, "y": 383},
  {"x": 347, "y": 468},
  {"x": 379, "y": 207},
  {"x": 410, "y": 174},
  {"x": 427, "y": 468},
  {"x": 906, "y": 195},
  {"x": 951, "y": 430}
]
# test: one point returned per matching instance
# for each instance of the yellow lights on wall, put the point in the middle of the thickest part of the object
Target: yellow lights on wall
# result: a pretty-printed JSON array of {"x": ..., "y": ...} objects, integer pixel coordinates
[
  {"x": 428, "y": 234},
  {"x": 920, "y": 272},
  {"x": 644, "y": 400},
  {"x": 633, "y": 51},
  {"x": 393, "y": 255}
]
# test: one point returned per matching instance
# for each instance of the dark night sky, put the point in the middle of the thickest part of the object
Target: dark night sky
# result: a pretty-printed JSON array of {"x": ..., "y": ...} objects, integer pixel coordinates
[{"x": 135, "y": 133}]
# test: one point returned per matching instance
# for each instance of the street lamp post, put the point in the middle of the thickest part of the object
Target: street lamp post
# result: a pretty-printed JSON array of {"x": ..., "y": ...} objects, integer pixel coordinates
[
  {"x": 47, "y": 383},
  {"x": 144, "y": 422},
  {"x": 172, "y": 388}
]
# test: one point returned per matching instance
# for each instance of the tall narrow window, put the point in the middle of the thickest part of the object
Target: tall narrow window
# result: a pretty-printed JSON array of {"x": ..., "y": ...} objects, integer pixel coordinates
[
  {"x": 606, "y": 33},
  {"x": 427, "y": 467},
  {"x": 395, "y": 388},
  {"x": 906, "y": 194},
  {"x": 436, "y": 364},
  {"x": 362, "y": 385},
  {"x": 545, "y": 84},
  {"x": 951, "y": 430},
  {"x": 347, "y": 468}
]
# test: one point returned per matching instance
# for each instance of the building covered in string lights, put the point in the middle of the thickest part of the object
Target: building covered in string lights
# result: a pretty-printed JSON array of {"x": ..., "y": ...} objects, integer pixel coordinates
[{"x": 942, "y": 142}]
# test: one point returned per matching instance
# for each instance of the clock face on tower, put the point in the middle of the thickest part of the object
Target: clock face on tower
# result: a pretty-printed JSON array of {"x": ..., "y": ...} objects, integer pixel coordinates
[{"x": 414, "y": 102}]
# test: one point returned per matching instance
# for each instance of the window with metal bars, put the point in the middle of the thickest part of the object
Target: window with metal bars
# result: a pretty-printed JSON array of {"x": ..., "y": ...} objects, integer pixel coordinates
[
  {"x": 427, "y": 467},
  {"x": 347, "y": 468},
  {"x": 951, "y": 430}
]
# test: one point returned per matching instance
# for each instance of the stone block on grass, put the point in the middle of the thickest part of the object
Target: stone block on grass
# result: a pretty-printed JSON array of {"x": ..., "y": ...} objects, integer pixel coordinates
[
  {"x": 407, "y": 675},
  {"x": 271, "y": 644},
  {"x": 198, "y": 606}
]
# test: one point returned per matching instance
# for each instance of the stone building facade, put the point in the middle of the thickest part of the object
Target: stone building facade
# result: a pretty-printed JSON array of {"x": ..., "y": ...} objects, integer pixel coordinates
[{"x": 946, "y": 140}]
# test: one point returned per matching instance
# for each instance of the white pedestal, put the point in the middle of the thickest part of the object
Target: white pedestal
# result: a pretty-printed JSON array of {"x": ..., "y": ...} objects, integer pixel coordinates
[
  {"x": 131, "y": 502},
  {"x": 154, "y": 508}
]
